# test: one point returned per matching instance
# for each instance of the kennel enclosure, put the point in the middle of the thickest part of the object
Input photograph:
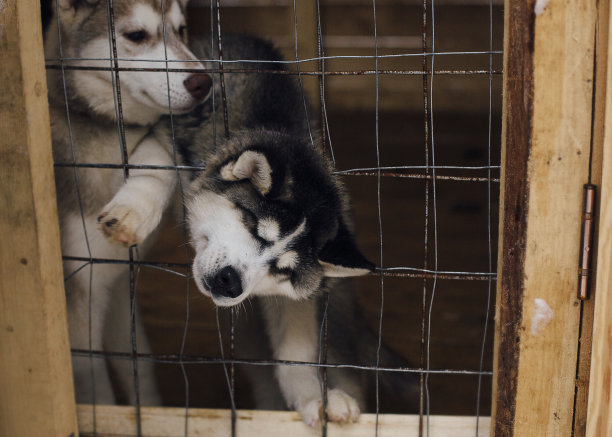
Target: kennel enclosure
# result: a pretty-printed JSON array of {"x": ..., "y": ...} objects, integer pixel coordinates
[{"x": 546, "y": 380}]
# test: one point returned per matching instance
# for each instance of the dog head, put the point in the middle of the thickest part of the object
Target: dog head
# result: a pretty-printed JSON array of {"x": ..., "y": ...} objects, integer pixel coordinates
[
  {"x": 147, "y": 33},
  {"x": 267, "y": 217}
]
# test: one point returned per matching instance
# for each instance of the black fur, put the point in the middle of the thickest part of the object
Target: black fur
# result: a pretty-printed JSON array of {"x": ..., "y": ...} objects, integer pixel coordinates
[{"x": 266, "y": 114}]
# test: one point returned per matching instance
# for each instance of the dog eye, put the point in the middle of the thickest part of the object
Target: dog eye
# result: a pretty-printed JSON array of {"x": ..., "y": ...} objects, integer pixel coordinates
[
  {"x": 136, "y": 36},
  {"x": 182, "y": 31}
]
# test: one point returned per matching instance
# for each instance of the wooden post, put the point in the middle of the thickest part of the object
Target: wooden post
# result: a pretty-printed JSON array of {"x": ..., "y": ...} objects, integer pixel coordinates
[
  {"x": 548, "y": 88},
  {"x": 599, "y": 417},
  {"x": 599, "y": 123},
  {"x": 36, "y": 389}
]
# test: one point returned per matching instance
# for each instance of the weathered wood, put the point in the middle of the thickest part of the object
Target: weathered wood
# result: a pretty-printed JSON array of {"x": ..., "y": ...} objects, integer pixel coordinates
[
  {"x": 36, "y": 391},
  {"x": 113, "y": 421},
  {"x": 516, "y": 142},
  {"x": 557, "y": 169},
  {"x": 599, "y": 417},
  {"x": 600, "y": 88},
  {"x": 547, "y": 130}
]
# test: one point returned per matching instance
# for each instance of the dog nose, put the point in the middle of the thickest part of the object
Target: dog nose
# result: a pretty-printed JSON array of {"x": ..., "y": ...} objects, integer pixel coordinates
[
  {"x": 198, "y": 85},
  {"x": 226, "y": 283}
]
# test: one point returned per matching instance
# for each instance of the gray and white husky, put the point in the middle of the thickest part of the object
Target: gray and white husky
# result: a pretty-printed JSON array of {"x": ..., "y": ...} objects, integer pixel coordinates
[
  {"x": 102, "y": 211},
  {"x": 268, "y": 218}
]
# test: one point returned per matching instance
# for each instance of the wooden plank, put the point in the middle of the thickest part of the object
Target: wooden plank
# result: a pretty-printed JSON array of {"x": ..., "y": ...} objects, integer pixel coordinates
[
  {"x": 263, "y": 3},
  {"x": 599, "y": 417},
  {"x": 548, "y": 99},
  {"x": 557, "y": 169},
  {"x": 36, "y": 392},
  {"x": 114, "y": 421},
  {"x": 516, "y": 131},
  {"x": 588, "y": 306}
]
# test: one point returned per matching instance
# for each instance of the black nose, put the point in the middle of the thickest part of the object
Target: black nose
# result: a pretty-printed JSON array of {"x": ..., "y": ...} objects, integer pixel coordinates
[
  {"x": 198, "y": 85},
  {"x": 226, "y": 283}
]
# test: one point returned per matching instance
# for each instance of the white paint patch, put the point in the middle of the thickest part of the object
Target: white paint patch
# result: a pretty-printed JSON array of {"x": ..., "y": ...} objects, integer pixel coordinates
[
  {"x": 542, "y": 316},
  {"x": 268, "y": 229},
  {"x": 287, "y": 260},
  {"x": 540, "y": 6}
]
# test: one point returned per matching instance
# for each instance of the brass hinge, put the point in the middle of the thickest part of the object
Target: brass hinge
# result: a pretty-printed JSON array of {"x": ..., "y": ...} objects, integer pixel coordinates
[{"x": 586, "y": 241}]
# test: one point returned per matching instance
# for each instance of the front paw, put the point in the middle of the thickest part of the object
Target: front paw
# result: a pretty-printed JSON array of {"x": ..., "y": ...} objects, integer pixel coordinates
[
  {"x": 341, "y": 408},
  {"x": 122, "y": 224}
]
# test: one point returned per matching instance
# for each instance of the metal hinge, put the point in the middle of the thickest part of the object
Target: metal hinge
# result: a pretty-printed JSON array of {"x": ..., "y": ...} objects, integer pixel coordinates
[{"x": 586, "y": 242}]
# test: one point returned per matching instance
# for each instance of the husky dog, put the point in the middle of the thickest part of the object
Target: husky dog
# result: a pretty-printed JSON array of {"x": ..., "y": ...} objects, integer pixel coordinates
[
  {"x": 268, "y": 218},
  {"x": 102, "y": 211}
]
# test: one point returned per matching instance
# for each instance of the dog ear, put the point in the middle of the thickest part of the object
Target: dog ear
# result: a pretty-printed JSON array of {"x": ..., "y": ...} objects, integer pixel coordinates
[
  {"x": 250, "y": 165},
  {"x": 341, "y": 258}
]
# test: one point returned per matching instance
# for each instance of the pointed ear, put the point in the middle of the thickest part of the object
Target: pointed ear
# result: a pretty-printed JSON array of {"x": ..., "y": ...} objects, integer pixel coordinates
[
  {"x": 250, "y": 165},
  {"x": 341, "y": 258}
]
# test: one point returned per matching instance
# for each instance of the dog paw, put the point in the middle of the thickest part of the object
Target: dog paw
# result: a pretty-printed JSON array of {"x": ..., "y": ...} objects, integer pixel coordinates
[
  {"x": 341, "y": 408},
  {"x": 122, "y": 224}
]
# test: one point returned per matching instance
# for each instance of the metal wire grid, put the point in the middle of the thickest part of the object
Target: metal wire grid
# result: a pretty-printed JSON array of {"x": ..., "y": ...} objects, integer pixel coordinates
[{"x": 428, "y": 172}]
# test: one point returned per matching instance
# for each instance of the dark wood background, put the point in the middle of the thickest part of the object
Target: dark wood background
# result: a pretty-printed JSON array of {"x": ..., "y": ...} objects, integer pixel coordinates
[{"x": 461, "y": 134}]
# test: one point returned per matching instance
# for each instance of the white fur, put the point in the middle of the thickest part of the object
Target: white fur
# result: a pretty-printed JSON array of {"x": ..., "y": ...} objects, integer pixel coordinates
[
  {"x": 145, "y": 95},
  {"x": 140, "y": 203},
  {"x": 250, "y": 165},
  {"x": 288, "y": 260},
  {"x": 175, "y": 16},
  {"x": 221, "y": 239},
  {"x": 338, "y": 271},
  {"x": 268, "y": 229},
  {"x": 293, "y": 335},
  {"x": 214, "y": 219},
  {"x": 131, "y": 209}
]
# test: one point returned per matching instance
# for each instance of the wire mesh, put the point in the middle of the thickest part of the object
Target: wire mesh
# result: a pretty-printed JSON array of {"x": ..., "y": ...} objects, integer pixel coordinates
[{"x": 429, "y": 174}]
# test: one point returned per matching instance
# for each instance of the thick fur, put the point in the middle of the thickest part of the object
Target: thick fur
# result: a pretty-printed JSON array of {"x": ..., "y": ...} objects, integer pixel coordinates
[
  {"x": 267, "y": 218},
  {"x": 102, "y": 212}
]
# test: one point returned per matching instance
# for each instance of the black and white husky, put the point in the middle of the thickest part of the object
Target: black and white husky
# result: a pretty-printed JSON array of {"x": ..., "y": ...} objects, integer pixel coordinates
[
  {"x": 268, "y": 218},
  {"x": 85, "y": 130}
]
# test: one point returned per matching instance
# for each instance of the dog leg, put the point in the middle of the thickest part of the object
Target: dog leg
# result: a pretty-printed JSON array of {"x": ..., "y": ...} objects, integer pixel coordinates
[
  {"x": 138, "y": 206},
  {"x": 86, "y": 308},
  {"x": 252, "y": 343},
  {"x": 292, "y": 327},
  {"x": 117, "y": 338},
  {"x": 100, "y": 290}
]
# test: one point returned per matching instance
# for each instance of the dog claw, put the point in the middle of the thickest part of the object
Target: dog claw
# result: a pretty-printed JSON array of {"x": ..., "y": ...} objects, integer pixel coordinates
[{"x": 120, "y": 225}]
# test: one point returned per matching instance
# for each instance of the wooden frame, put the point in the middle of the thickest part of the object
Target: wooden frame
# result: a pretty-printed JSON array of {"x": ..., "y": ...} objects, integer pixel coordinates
[
  {"x": 112, "y": 421},
  {"x": 36, "y": 393},
  {"x": 557, "y": 117},
  {"x": 599, "y": 407},
  {"x": 553, "y": 86}
]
